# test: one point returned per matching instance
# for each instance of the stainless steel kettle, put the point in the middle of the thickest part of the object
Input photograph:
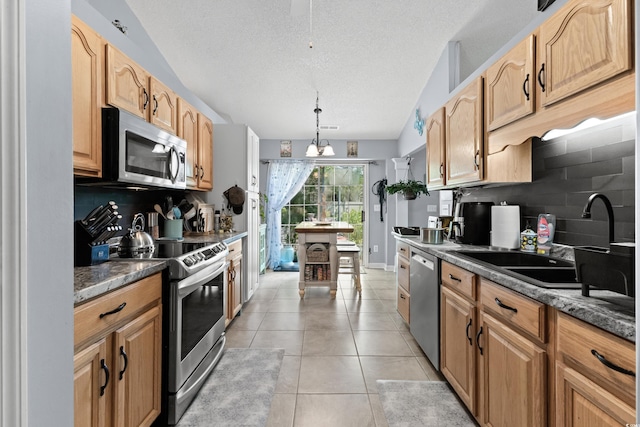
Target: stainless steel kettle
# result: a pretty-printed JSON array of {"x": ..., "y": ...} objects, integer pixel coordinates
[{"x": 137, "y": 243}]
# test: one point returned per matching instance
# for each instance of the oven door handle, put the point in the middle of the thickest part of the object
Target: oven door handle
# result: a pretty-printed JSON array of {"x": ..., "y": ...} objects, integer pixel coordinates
[{"x": 189, "y": 284}]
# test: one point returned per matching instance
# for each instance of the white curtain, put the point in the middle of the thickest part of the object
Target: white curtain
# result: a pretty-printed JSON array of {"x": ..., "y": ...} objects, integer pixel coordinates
[{"x": 285, "y": 180}]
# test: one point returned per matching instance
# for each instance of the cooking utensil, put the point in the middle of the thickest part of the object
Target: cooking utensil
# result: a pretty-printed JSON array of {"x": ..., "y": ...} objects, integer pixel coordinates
[
  {"x": 176, "y": 212},
  {"x": 137, "y": 243},
  {"x": 432, "y": 236},
  {"x": 158, "y": 209}
]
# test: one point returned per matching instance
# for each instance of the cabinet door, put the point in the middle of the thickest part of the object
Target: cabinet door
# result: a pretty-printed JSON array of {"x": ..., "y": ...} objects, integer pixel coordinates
[
  {"x": 513, "y": 378},
  {"x": 583, "y": 403},
  {"x": 457, "y": 353},
  {"x": 86, "y": 87},
  {"x": 137, "y": 370},
  {"x": 126, "y": 83},
  {"x": 510, "y": 85},
  {"x": 435, "y": 150},
  {"x": 188, "y": 130},
  {"x": 465, "y": 135},
  {"x": 236, "y": 291},
  {"x": 205, "y": 153},
  {"x": 583, "y": 44},
  {"x": 89, "y": 379},
  {"x": 163, "y": 111}
]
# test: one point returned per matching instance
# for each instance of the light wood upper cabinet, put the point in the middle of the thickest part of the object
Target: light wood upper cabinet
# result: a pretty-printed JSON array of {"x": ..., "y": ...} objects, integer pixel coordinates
[
  {"x": 163, "y": 111},
  {"x": 87, "y": 87},
  {"x": 205, "y": 153},
  {"x": 583, "y": 44},
  {"x": 188, "y": 130},
  {"x": 464, "y": 130},
  {"x": 133, "y": 89},
  {"x": 510, "y": 85},
  {"x": 436, "y": 149},
  {"x": 126, "y": 83}
]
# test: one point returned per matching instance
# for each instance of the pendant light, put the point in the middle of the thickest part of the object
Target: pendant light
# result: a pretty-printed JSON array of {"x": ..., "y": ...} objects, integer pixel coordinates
[{"x": 315, "y": 149}]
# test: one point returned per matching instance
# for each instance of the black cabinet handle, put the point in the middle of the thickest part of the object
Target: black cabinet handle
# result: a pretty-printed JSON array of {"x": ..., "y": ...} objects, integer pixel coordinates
[
  {"x": 201, "y": 172},
  {"x": 476, "y": 162},
  {"x": 525, "y": 86},
  {"x": 155, "y": 105},
  {"x": 126, "y": 361},
  {"x": 610, "y": 365},
  {"x": 540, "y": 75},
  {"x": 146, "y": 98},
  {"x": 452, "y": 277},
  {"x": 114, "y": 311},
  {"x": 506, "y": 307},
  {"x": 478, "y": 340},
  {"x": 468, "y": 327},
  {"x": 403, "y": 267},
  {"x": 441, "y": 170},
  {"x": 105, "y": 368}
]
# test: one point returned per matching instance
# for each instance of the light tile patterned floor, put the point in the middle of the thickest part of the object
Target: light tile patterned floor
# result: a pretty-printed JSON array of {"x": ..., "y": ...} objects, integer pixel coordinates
[{"x": 335, "y": 350}]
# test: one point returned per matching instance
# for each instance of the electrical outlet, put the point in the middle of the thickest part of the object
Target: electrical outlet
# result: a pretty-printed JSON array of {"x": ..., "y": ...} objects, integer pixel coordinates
[
  {"x": 432, "y": 208},
  {"x": 375, "y": 248},
  {"x": 376, "y": 208}
]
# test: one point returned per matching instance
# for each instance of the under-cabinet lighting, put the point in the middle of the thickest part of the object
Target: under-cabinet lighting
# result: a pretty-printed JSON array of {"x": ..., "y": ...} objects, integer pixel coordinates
[{"x": 589, "y": 123}]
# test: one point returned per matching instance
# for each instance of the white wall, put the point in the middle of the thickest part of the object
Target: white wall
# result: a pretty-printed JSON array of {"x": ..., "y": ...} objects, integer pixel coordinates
[{"x": 49, "y": 191}]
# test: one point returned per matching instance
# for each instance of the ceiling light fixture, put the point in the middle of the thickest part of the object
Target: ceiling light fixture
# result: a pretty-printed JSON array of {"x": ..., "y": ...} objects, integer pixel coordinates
[{"x": 315, "y": 149}]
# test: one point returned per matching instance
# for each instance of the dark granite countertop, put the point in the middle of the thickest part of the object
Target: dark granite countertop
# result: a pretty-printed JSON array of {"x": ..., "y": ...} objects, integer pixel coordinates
[
  {"x": 607, "y": 310},
  {"x": 93, "y": 281}
]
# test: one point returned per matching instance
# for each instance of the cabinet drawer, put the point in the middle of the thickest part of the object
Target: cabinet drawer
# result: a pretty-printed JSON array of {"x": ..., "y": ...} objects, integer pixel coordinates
[
  {"x": 87, "y": 320},
  {"x": 235, "y": 248},
  {"x": 403, "y": 273},
  {"x": 403, "y": 304},
  {"x": 580, "y": 343},
  {"x": 517, "y": 309},
  {"x": 403, "y": 249},
  {"x": 459, "y": 279}
]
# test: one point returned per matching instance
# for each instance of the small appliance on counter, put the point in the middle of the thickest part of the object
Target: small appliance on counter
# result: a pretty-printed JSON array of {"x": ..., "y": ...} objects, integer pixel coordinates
[
  {"x": 407, "y": 231},
  {"x": 471, "y": 223}
]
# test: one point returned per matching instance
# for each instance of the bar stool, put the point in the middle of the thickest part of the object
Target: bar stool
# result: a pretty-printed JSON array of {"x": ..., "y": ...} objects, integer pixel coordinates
[{"x": 352, "y": 252}]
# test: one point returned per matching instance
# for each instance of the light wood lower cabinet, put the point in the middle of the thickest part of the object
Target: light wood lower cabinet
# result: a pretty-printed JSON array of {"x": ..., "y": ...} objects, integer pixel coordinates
[
  {"x": 118, "y": 356},
  {"x": 403, "y": 293},
  {"x": 595, "y": 376},
  {"x": 457, "y": 350},
  {"x": 513, "y": 376},
  {"x": 234, "y": 280}
]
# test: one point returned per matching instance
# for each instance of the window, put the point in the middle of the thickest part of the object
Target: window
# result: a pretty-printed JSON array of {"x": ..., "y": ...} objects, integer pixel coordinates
[{"x": 334, "y": 192}]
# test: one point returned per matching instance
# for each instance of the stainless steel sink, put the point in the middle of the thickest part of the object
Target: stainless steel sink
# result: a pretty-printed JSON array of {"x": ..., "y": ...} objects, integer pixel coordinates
[{"x": 539, "y": 270}]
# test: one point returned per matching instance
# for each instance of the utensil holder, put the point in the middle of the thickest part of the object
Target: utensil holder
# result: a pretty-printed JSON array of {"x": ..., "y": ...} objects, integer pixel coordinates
[{"x": 173, "y": 228}]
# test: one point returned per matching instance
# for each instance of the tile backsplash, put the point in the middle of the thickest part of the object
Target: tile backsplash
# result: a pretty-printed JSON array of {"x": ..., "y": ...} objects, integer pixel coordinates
[{"x": 566, "y": 171}]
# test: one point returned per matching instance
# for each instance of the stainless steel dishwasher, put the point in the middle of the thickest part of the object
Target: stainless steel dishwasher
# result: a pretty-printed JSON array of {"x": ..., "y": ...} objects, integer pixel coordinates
[{"x": 424, "y": 304}]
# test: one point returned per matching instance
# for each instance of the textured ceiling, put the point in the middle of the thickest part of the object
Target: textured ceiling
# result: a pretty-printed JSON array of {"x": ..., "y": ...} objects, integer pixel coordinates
[{"x": 250, "y": 59}]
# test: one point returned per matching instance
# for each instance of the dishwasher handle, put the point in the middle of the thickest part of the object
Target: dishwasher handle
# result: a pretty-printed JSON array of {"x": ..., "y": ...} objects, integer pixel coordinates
[{"x": 425, "y": 262}]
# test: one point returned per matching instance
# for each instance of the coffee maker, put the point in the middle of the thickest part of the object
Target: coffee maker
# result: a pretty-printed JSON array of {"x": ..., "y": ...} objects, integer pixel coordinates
[{"x": 471, "y": 223}]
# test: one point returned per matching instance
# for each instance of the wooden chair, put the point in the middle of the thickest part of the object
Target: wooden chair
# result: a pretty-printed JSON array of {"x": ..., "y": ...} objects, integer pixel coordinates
[{"x": 352, "y": 252}]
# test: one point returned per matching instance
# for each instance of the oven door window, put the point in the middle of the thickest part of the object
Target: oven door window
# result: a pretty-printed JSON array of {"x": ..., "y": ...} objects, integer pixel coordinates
[
  {"x": 149, "y": 158},
  {"x": 201, "y": 309}
]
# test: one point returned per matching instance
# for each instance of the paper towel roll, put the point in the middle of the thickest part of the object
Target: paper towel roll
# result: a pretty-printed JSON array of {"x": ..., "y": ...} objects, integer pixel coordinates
[{"x": 505, "y": 227}]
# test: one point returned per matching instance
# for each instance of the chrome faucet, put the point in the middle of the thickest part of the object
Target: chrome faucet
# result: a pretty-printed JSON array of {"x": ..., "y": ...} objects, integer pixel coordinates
[{"x": 586, "y": 212}]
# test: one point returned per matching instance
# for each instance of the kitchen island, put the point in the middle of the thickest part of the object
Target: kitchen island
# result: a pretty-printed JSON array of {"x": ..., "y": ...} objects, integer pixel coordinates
[{"x": 318, "y": 254}]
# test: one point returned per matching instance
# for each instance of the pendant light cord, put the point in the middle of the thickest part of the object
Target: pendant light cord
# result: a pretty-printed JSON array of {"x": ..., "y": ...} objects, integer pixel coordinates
[{"x": 310, "y": 24}]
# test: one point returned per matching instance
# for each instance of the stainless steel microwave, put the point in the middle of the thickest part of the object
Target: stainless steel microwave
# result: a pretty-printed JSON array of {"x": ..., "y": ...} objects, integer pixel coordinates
[{"x": 137, "y": 153}]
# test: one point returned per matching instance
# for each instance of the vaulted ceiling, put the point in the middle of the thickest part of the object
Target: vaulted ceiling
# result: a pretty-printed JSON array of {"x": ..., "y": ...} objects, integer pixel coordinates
[{"x": 250, "y": 60}]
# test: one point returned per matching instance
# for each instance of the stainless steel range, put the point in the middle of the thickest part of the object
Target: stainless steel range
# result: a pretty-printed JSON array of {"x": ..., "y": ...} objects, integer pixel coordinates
[{"x": 194, "y": 318}]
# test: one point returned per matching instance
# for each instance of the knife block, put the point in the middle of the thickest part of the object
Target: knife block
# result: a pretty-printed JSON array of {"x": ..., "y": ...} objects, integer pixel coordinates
[{"x": 85, "y": 252}]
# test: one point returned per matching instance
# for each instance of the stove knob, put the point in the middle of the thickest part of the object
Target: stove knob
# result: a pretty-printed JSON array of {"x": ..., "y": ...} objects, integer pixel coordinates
[{"x": 188, "y": 261}]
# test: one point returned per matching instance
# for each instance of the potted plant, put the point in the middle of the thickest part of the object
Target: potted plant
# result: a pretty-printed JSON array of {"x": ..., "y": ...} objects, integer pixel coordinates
[{"x": 410, "y": 188}]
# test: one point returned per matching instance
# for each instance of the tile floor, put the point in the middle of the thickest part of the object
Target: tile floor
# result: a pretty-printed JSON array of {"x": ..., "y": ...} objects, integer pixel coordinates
[{"x": 335, "y": 350}]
